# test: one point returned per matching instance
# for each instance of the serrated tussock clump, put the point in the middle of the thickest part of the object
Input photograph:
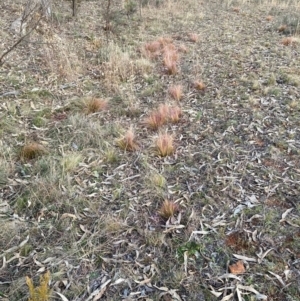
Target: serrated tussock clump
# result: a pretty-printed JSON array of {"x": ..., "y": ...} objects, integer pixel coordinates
[
  {"x": 154, "y": 49},
  {"x": 168, "y": 209},
  {"x": 288, "y": 41},
  {"x": 176, "y": 92},
  {"x": 193, "y": 37},
  {"x": 170, "y": 59},
  {"x": 199, "y": 85},
  {"x": 174, "y": 114},
  {"x": 95, "y": 105},
  {"x": 269, "y": 18},
  {"x": 165, "y": 113},
  {"x": 282, "y": 28},
  {"x": 155, "y": 120},
  {"x": 128, "y": 141},
  {"x": 32, "y": 150},
  {"x": 164, "y": 144},
  {"x": 163, "y": 47}
]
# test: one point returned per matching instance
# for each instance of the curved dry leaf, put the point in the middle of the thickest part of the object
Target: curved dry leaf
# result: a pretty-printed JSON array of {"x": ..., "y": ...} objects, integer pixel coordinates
[
  {"x": 13, "y": 249},
  {"x": 63, "y": 298},
  {"x": 215, "y": 293},
  {"x": 229, "y": 276},
  {"x": 249, "y": 288},
  {"x": 278, "y": 278},
  {"x": 284, "y": 215},
  {"x": 244, "y": 258}
]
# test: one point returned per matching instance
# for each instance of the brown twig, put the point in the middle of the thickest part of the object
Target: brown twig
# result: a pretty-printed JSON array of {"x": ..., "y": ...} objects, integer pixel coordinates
[{"x": 18, "y": 42}]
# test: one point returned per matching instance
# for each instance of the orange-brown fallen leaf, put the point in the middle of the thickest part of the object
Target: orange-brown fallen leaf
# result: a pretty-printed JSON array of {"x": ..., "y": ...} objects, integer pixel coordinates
[{"x": 237, "y": 268}]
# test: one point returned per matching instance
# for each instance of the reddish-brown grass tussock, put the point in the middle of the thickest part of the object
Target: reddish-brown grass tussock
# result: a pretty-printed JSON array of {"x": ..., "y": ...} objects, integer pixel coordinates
[
  {"x": 282, "y": 28},
  {"x": 170, "y": 59},
  {"x": 182, "y": 48},
  {"x": 164, "y": 144},
  {"x": 163, "y": 46},
  {"x": 155, "y": 48},
  {"x": 32, "y": 150},
  {"x": 155, "y": 120},
  {"x": 152, "y": 49},
  {"x": 164, "y": 110},
  {"x": 128, "y": 141},
  {"x": 168, "y": 209},
  {"x": 288, "y": 41},
  {"x": 95, "y": 105},
  {"x": 193, "y": 37},
  {"x": 199, "y": 85},
  {"x": 174, "y": 114},
  {"x": 176, "y": 92},
  {"x": 269, "y": 18},
  {"x": 171, "y": 66},
  {"x": 165, "y": 41},
  {"x": 171, "y": 52}
]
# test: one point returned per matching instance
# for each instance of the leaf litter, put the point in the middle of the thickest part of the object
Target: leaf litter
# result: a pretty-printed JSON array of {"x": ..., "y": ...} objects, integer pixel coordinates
[{"x": 234, "y": 172}]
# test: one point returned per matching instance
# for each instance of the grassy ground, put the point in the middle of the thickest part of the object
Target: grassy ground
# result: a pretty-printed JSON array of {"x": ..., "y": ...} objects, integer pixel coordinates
[{"x": 152, "y": 154}]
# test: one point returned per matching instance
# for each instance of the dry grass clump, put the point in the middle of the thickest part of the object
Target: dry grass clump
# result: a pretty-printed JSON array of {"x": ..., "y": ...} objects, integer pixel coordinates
[
  {"x": 182, "y": 48},
  {"x": 288, "y": 41},
  {"x": 152, "y": 49},
  {"x": 32, "y": 150},
  {"x": 193, "y": 37},
  {"x": 174, "y": 114},
  {"x": 176, "y": 92},
  {"x": 269, "y": 18},
  {"x": 168, "y": 209},
  {"x": 165, "y": 41},
  {"x": 171, "y": 114},
  {"x": 282, "y": 28},
  {"x": 95, "y": 105},
  {"x": 199, "y": 85},
  {"x": 170, "y": 59},
  {"x": 163, "y": 46},
  {"x": 128, "y": 141},
  {"x": 155, "y": 120},
  {"x": 164, "y": 144},
  {"x": 164, "y": 114}
]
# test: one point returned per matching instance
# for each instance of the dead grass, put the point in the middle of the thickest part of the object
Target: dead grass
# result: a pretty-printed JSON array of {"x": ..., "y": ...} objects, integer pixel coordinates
[
  {"x": 288, "y": 41},
  {"x": 176, "y": 92},
  {"x": 170, "y": 59},
  {"x": 168, "y": 209},
  {"x": 199, "y": 85},
  {"x": 95, "y": 105},
  {"x": 155, "y": 120},
  {"x": 174, "y": 114},
  {"x": 32, "y": 150},
  {"x": 164, "y": 144},
  {"x": 269, "y": 18},
  {"x": 128, "y": 141},
  {"x": 282, "y": 28},
  {"x": 193, "y": 37}
]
